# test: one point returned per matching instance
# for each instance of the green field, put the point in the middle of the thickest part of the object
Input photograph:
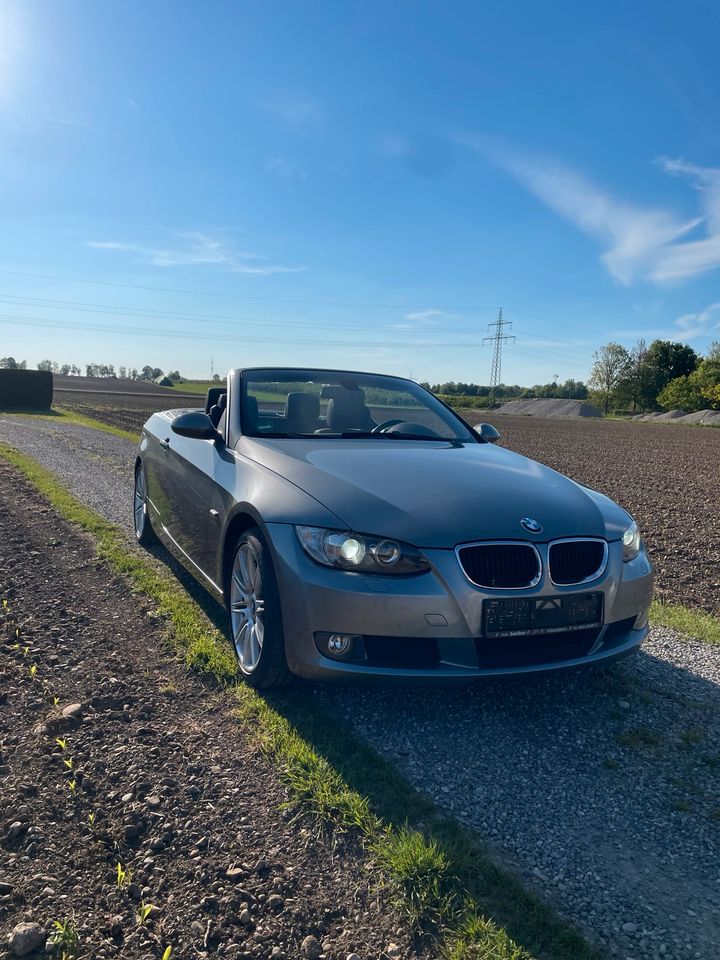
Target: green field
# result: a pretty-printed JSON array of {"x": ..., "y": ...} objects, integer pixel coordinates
[{"x": 197, "y": 386}]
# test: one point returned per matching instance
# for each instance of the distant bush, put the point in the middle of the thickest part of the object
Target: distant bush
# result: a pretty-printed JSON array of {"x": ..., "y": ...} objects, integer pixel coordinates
[
  {"x": 464, "y": 402},
  {"x": 26, "y": 389}
]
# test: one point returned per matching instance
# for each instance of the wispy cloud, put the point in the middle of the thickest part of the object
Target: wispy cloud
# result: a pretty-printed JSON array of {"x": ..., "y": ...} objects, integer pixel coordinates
[
  {"x": 641, "y": 242},
  {"x": 296, "y": 111},
  {"x": 420, "y": 318},
  {"x": 285, "y": 169},
  {"x": 701, "y": 324},
  {"x": 194, "y": 249},
  {"x": 69, "y": 120}
]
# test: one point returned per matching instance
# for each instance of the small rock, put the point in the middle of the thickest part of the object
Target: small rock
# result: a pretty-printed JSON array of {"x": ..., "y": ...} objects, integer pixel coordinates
[
  {"x": 353, "y": 956},
  {"x": 623, "y": 704},
  {"x": 629, "y": 928},
  {"x": 245, "y": 917},
  {"x": 392, "y": 950},
  {"x": 25, "y": 938},
  {"x": 275, "y": 902},
  {"x": 153, "y": 800},
  {"x": 72, "y": 712},
  {"x": 311, "y": 948},
  {"x": 5, "y": 888}
]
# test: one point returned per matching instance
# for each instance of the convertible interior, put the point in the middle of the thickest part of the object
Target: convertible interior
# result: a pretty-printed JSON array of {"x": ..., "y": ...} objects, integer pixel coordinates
[{"x": 334, "y": 409}]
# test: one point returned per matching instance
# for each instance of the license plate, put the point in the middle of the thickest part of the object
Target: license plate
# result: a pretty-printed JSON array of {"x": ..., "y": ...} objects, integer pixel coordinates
[{"x": 523, "y": 616}]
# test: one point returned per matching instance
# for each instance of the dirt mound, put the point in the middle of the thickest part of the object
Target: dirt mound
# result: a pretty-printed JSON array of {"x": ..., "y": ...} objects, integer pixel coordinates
[{"x": 549, "y": 408}]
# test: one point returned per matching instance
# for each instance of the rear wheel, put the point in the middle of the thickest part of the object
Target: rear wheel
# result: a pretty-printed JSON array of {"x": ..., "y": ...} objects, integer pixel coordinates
[
  {"x": 255, "y": 616},
  {"x": 144, "y": 533}
]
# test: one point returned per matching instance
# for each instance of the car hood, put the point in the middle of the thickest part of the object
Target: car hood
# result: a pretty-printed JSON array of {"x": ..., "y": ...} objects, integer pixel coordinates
[{"x": 436, "y": 494}]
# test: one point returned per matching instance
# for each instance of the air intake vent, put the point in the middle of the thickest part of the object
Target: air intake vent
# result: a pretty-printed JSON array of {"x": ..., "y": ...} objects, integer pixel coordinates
[
  {"x": 501, "y": 565},
  {"x": 576, "y": 561}
]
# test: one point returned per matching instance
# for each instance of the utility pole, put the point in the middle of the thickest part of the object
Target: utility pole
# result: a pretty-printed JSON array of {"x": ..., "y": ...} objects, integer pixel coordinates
[
  {"x": 212, "y": 368},
  {"x": 498, "y": 338}
]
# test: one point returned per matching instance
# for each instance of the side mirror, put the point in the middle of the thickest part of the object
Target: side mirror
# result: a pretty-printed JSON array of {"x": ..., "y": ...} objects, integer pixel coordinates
[
  {"x": 196, "y": 425},
  {"x": 487, "y": 432}
]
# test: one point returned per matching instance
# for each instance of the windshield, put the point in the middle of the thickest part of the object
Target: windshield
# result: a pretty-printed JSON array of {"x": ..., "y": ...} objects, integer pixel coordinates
[{"x": 324, "y": 403}]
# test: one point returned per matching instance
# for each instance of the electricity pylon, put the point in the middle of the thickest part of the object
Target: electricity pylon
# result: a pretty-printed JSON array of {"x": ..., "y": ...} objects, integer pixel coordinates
[{"x": 498, "y": 339}]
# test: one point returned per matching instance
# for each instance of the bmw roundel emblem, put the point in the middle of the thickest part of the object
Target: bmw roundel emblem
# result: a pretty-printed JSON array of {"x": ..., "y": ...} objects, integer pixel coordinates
[{"x": 532, "y": 526}]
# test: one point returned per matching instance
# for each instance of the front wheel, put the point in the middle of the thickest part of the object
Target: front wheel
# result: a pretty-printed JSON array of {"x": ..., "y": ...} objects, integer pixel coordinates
[
  {"x": 144, "y": 533},
  {"x": 255, "y": 616}
]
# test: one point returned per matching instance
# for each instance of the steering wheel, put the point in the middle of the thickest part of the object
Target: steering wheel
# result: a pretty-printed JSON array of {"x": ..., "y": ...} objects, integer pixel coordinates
[{"x": 381, "y": 427}]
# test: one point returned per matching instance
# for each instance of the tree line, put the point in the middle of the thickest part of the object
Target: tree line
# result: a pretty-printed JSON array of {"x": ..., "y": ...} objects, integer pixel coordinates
[
  {"x": 95, "y": 370},
  {"x": 569, "y": 390},
  {"x": 664, "y": 374}
]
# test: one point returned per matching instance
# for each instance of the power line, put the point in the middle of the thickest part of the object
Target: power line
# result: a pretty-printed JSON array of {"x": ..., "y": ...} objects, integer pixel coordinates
[
  {"x": 15, "y": 320},
  {"x": 498, "y": 338},
  {"x": 217, "y": 293}
]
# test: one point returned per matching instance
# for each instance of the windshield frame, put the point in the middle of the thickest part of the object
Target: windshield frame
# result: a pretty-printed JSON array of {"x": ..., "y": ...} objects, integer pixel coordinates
[{"x": 465, "y": 433}]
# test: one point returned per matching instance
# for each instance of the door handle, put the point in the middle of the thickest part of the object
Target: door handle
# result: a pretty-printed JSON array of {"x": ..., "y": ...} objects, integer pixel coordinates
[{"x": 165, "y": 444}]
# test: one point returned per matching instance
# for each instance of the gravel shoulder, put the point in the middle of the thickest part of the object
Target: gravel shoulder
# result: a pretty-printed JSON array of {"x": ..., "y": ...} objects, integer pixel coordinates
[
  {"x": 602, "y": 788},
  {"x": 154, "y": 772}
]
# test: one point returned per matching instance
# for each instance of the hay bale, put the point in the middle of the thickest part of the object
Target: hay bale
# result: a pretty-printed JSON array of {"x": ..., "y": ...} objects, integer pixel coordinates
[{"x": 26, "y": 389}]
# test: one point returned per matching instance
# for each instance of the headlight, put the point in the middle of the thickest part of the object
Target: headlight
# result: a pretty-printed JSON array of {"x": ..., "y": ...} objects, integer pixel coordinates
[
  {"x": 359, "y": 552},
  {"x": 631, "y": 542}
]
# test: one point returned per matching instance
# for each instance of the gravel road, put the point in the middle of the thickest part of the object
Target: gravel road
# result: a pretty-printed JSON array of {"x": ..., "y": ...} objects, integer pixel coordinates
[{"x": 601, "y": 788}]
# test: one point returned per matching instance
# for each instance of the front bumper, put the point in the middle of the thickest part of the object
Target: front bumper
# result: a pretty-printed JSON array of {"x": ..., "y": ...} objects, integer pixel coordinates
[{"x": 429, "y": 626}]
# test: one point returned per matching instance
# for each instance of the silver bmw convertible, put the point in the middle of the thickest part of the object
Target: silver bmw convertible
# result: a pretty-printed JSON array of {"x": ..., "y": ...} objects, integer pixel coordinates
[{"x": 355, "y": 527}]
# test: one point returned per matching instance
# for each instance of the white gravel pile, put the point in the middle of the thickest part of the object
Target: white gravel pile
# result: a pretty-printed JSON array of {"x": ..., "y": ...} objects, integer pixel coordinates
[{"x": 548, "y": 408}]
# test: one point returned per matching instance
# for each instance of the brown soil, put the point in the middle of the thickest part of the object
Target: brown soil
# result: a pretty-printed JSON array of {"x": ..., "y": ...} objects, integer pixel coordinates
[{"x": 155, "y": 773}]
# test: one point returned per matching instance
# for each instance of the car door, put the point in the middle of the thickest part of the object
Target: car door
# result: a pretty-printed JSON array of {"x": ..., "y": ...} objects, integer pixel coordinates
[{"x": 189, "y": 483}]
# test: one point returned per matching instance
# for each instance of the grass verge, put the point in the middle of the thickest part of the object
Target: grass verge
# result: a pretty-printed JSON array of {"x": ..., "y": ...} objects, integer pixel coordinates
[
  {"x": 691, "y": 623},
  {"x": 438, "y": 873}
]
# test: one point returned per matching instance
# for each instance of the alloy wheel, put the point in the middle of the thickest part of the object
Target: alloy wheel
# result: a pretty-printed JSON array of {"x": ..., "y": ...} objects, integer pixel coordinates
[{"x": 247, "y": 608}]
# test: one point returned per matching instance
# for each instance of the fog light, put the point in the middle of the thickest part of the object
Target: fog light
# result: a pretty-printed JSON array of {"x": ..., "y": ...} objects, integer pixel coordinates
[
  {"x": 339, "y": 643},
  {"x": 341, "y": 646}
]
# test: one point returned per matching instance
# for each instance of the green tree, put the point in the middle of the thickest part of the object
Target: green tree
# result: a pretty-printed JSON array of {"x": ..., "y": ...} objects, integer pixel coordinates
[
  {"x": 611, "y": 364},
  {"x": 682, "y": 393},
  {"x": 664, "y": 361}
]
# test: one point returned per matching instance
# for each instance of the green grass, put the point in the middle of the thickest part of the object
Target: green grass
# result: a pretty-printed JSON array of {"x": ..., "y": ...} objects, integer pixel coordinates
[
  {"x": 196, "y": 386},
  {"x": 691, "y": 623},
  {"x": 437, "y": 872}
]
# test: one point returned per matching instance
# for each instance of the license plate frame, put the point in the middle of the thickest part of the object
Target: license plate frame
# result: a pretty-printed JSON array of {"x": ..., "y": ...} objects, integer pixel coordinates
[{"x": 541, "y": 616}]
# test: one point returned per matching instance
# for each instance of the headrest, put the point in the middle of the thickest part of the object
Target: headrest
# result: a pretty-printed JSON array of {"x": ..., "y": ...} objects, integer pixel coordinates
[
  {"x": 347, "y": 411},
  {"x": 251, "y": 414},
  {"x": 299, "y": 405}
]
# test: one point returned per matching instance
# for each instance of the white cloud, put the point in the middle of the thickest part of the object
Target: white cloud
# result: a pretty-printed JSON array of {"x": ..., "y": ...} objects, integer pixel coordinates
[
  {"x": 423, "y": 314},
  {"x": 643, "y": 242},
  {"x": 192, "y": 249},
  {"x": 700, "y": 324}
]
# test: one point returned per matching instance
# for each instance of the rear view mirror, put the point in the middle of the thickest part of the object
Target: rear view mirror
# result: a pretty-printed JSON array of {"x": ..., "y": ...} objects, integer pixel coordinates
[
  {"x": 196, "y": 425},
  {"x": 487, "y": 432}
]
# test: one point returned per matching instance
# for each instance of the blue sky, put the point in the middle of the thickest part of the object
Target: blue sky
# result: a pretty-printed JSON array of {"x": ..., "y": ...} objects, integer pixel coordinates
[{"x": 357, "y": 184}]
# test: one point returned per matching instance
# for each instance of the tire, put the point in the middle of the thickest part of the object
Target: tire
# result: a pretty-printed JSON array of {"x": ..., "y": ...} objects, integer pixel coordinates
[
  {"x": 144, "y": 533},
  {"x": 253, "y": 604}
]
